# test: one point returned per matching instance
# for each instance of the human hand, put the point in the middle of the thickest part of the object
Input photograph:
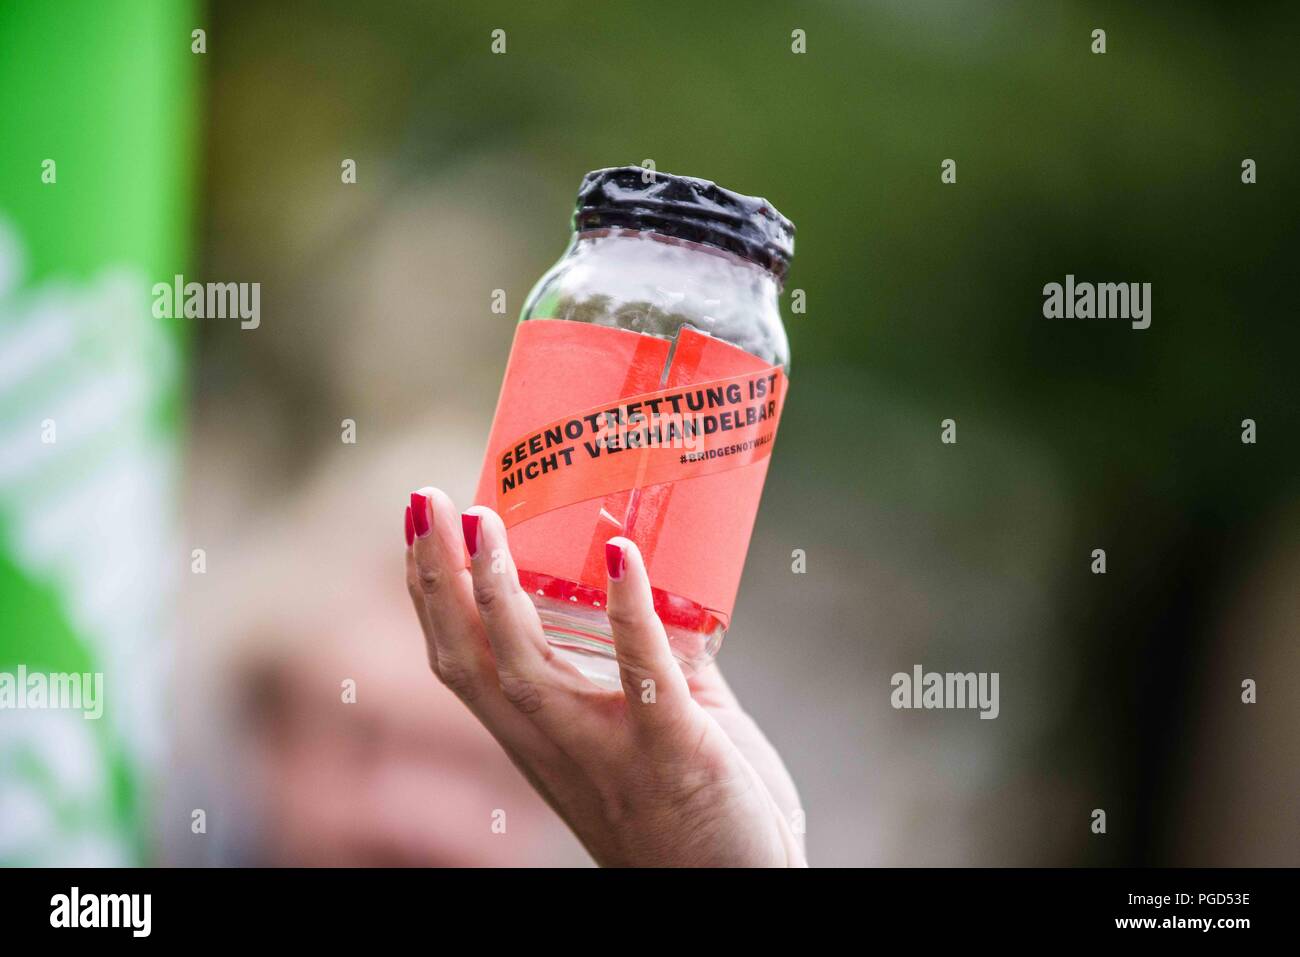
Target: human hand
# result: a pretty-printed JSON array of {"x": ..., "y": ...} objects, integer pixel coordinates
[{"x": 677, "y": 777}]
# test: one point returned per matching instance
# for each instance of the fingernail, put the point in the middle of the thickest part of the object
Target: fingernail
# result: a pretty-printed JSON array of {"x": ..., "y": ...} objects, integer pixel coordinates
[
  {"x": 410, "y": 528},
  {"x": 614, "y": 561},
  {"x": 469, "y": 528},
  {"x": 420, "y": 514}
]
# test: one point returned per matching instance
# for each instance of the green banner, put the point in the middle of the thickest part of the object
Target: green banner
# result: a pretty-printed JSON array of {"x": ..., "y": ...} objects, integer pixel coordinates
[{"x": 96, "y": 157}]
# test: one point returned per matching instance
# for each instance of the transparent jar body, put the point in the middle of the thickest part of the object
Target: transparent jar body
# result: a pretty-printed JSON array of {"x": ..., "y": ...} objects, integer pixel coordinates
[{"x": 654, "y": 285}]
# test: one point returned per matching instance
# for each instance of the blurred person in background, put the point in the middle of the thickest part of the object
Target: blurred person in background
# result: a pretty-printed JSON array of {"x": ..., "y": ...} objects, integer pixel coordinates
[{"x": 310, "y": 730}]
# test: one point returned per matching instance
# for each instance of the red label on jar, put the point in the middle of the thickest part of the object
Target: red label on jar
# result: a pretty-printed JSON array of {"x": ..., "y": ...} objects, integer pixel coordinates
[
  {"x": 602, "y": 432},
  {"x": 671, "y": 435}
]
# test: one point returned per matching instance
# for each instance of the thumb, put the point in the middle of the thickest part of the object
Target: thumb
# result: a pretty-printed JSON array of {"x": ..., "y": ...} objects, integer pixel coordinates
[{"x": 656, "y": 690}]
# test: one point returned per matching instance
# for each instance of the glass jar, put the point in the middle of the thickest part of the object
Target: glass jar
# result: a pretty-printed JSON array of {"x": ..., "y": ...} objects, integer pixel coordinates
[{"x": 641, "y": 399}]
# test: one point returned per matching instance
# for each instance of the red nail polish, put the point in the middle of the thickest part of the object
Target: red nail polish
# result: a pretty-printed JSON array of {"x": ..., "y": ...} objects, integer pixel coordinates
[
  {"x": 614, "y": 561},
  {"x": 469, "y": 528},
  {"x": 420, "y": 514},
  {"x": 410, "y": 528}
]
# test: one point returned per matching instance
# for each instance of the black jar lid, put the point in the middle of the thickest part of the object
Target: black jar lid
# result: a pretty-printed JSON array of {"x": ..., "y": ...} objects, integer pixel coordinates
[{"x": 695, "y": 210}]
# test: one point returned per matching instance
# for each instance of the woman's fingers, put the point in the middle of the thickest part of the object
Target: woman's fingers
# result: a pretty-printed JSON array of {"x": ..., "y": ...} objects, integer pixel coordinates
[
  {"x": 442, "y": 592},
  {"x": 658, "y": 697},
  {"x": 441, "y": 589},
  {"x": 531, "y": 677},
  {"x": 454, "y": 604},
  {"x": 416, "y": 591}
]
